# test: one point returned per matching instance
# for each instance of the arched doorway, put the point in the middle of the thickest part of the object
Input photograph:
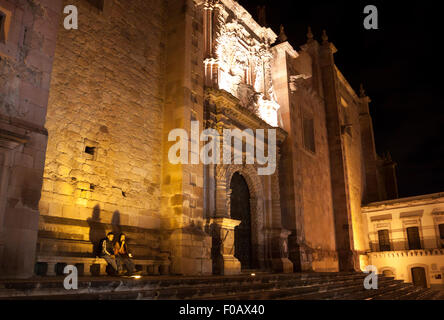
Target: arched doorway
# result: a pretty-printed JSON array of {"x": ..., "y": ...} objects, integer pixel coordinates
[
  {"x": 240, "y": 210},
  {"x": 388, "y": 273}
]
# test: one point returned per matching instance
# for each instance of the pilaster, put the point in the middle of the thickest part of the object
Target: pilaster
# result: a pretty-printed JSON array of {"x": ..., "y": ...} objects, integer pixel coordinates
[{"x": 224, "y": 262}]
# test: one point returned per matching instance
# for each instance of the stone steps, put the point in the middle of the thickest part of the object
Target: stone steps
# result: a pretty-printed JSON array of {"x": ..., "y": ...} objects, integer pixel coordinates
[
  {"x": 169, "y": 287},
  {"x": 361, "y": 294},
  {"x": 308, "y": 291},
  {"x": 262, "y": 286}
]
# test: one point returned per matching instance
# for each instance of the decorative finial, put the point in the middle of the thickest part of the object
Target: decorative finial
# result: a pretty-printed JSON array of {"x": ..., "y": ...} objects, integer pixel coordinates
[
  {"x": 282, "y": 36},
  {"x": 324, "y": 36},
  {"x": 362, "y": 91},
  {"x": 309, "y": 35},
  {"x": 262, "y": 15}
]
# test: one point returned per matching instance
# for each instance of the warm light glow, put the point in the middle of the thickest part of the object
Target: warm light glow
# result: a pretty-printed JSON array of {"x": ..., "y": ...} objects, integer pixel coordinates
[
  {"x": 243, "y": 71},
  {"x": 268, "y": 111},
  {"x": 363, "y": 262},
  {"x": 253, "y": 274},
  {"x": 137, "y": 277}
]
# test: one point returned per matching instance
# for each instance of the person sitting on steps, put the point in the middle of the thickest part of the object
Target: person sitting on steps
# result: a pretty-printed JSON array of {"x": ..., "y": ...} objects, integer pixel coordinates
[
  {"x": 123, "y": 255},
  {"x": 107, "y": 251}
]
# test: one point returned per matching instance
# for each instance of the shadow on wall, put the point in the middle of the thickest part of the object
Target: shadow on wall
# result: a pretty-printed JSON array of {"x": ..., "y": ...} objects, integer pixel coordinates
[
  {"x": 97, "y": 230},
  {"x": 115, "y": 223}
]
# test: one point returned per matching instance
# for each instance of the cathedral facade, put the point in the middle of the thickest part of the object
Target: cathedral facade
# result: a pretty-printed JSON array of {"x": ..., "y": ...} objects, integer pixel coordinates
[{"x": 86, "y": 116}]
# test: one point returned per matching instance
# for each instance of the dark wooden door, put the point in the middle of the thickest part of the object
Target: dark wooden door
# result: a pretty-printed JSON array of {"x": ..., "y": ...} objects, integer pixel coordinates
[
  {"x": 419, "y": 277},
  {"x": 240, "y": 210}
]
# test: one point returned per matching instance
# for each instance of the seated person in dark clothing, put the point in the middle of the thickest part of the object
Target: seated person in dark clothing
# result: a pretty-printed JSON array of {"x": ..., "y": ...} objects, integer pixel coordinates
[
  {"x": 123, "y": 255},
  {"x": 107, "y": 251}
]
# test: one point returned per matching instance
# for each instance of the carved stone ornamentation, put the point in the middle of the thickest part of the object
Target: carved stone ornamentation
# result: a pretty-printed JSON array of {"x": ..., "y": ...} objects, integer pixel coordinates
[{"x": 242, "y": 57}]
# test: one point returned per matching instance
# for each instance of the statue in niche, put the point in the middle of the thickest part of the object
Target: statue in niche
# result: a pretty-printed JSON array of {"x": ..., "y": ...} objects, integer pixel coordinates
[{"x": 284, "y": 249}]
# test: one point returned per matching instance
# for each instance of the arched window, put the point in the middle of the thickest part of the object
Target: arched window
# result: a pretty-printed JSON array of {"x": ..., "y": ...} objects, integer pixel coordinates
[{"x": 388, "y": 273}]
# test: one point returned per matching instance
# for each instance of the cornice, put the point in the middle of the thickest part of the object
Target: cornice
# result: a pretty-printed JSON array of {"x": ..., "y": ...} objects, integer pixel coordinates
[
  {"x": 229, "y": 105},
  {"x": 243, "y": 15},
  {"x": 347, "y": 85},
  {"x": 435, "y": 198},
  {"x": 288, "y": 48}
]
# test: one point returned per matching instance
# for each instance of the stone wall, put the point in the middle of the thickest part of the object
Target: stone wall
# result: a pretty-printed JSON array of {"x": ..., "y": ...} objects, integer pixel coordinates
[
  {"x": 314, "y": 167},
  {"x": 26, "y": 55},
  {"x": 354, "y": 160},
  {"x": 132, "y": 72},
  {"x": 182, "y": 185},
  {"x": 103, "y": 161},
  {"x": 306, "y": 211}
]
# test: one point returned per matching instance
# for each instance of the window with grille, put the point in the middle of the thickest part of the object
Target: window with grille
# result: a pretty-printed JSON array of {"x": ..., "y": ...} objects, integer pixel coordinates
[
  {"x": 413, "y": 238},
  {"x": 384, "y": 240},
  {"x": 309, "y": 134}
]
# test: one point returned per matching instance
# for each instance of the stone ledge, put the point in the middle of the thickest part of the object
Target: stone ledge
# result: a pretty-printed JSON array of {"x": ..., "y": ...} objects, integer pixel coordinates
[{"x": 149, "y": 266}]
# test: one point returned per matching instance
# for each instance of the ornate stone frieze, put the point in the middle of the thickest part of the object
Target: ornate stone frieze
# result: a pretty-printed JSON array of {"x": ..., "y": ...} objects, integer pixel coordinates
[
  {"x": 239, "y": 59},
  {"x": 223, "y": 109}
]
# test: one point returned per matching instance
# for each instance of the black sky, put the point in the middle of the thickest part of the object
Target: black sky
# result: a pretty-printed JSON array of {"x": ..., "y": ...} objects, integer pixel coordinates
[{"x": 400, "y": 66}]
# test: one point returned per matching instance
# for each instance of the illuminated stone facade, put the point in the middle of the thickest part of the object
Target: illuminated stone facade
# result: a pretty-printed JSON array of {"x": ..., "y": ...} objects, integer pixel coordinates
[
  {"x": 136, "y": 70},
  {"x": 238, "y": 57},
  {"x": 103, "y": 161},
  {"x": 26, "y": 58}
]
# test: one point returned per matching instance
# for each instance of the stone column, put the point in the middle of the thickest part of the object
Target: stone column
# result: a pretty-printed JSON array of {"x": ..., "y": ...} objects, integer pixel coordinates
[
  {"x": 23, "y": 135},
  {"x": 87, "y": 269},
  {"x": 279, "y": 251},
  {"x": 338, "y": 162},
  {"x": 278, "y": 235},
  {"x": 102, "y": 269},
  {"x": 224, "y": 262},
  {"x": 257, "y": 241},
  {"x": 222, "y": 198},
  {"x": 300, "y": 254},
  {"x": 51, "y": 269},
  {"x": 208, "y": 28}
]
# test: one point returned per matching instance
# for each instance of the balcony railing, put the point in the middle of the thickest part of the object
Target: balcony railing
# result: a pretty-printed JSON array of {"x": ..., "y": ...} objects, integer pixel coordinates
[{"x": 407, "y": 253}]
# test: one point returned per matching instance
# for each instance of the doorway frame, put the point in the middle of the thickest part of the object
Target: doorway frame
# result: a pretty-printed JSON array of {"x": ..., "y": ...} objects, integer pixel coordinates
[
  {"x": 224, "y": 175},
  {"x": 419, "y": 265}
]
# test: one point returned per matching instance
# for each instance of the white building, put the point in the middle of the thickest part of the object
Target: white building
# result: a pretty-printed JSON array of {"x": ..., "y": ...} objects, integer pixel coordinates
[{"x": 406, "y": 238}]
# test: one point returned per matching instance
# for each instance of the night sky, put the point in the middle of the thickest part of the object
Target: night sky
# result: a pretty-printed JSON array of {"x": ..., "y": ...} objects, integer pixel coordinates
[{"x": 400, "y": 66}]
